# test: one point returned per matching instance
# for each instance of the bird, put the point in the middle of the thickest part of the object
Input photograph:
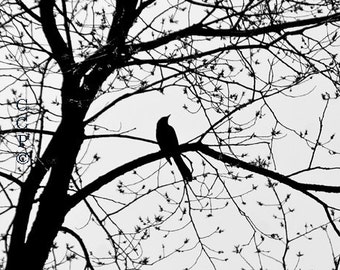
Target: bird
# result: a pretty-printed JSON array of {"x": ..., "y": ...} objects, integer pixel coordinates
[{"x": 168, "y": 143}]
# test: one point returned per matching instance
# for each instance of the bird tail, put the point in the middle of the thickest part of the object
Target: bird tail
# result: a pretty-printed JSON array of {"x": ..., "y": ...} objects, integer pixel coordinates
[{"x": 183, "y": 168}]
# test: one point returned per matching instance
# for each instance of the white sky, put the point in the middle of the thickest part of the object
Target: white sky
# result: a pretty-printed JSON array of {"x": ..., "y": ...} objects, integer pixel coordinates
[{"x": 141, "y": 113}]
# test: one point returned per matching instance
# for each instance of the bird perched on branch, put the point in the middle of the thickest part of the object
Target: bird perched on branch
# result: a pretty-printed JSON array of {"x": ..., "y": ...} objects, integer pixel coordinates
[{"x": 168, "y": 143}]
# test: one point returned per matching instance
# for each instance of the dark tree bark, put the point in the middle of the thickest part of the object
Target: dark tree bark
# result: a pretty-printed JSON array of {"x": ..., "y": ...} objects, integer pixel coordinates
[
  {"x": 60, "y": 156},
  {"x": 29, "y": 247}
]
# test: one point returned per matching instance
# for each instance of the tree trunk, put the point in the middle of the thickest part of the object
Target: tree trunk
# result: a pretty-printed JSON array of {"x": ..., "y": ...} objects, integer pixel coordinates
[{"x": 60, "y": 156}]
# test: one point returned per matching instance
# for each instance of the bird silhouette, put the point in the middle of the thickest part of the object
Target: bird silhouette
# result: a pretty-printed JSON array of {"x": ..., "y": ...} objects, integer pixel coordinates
[{"x": 168, "y": 143}]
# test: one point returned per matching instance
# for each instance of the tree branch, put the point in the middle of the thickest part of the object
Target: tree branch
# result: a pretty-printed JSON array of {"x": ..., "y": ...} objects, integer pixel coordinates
[
  {"x": 28, "y": 130},
  {"x": 129, "y": 166},
  {"x": 11, "y": 178},
  {"x": 200, "y": 30},
  {"x": 59, "y": 49},
  {"x": 81, "y": 243},
  {"x": 265, "y": 172},
  {"x": 28, "y": 10}
]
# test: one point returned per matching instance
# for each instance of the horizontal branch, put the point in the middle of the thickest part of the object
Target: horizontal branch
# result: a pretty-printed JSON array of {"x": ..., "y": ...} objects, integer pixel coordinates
[
  {"x": 121, "y": 136},
  {"x": 168, "y": 60},
  {"x": 26, "y": 130},
  {"x": 201, "y": 30},
  {"x": 265, "y": 172},
  {"x": 86, "y": 137},
  {"x": 194, "y": 147}
]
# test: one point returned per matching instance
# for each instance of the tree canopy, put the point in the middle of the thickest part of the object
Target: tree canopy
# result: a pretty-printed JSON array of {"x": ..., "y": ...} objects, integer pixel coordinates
[{"x": 252, "y": 88}]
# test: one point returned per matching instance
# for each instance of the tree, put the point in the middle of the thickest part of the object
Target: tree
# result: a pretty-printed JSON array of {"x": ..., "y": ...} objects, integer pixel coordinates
[{"x": 259, "y": 83}]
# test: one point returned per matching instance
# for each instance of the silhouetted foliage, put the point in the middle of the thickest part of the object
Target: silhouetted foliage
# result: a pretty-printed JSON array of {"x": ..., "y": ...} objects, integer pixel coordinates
[{"x": 83, "y": 183}]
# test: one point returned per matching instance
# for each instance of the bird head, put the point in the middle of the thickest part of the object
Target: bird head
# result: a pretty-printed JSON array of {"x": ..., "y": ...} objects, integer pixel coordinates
[{"x": 164, "y": 119}]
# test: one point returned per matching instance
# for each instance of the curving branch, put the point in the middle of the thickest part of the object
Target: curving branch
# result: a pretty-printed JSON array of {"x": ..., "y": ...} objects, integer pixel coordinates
[
  {"x": 265, "y": 172},
  {"x": 202, "y": 30},
  {"x": 82, "y": 245},
  {"x": 60, "y": 52},
  {"x": 129, "y": 166}
]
